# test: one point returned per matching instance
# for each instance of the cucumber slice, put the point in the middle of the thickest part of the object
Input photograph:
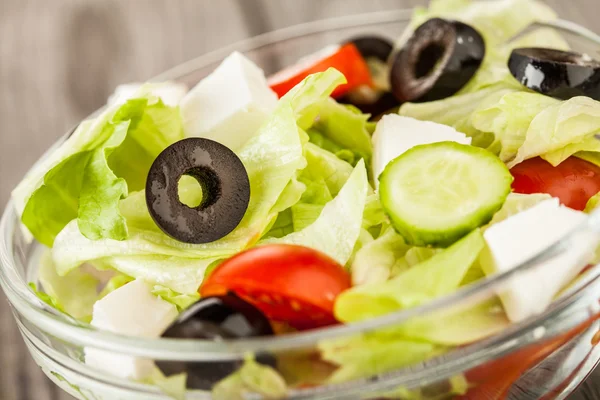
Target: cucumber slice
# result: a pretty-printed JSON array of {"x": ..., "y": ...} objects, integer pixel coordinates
[{"x": 434, "y": 194}]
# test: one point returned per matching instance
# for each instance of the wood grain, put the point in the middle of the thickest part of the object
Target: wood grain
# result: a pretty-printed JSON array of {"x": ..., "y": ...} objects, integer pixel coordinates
[{"x": 60, "y": 59}]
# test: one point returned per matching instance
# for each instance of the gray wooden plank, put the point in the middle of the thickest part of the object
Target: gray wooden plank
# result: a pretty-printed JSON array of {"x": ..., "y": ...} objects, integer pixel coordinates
[{"x": 59, "y": 60}]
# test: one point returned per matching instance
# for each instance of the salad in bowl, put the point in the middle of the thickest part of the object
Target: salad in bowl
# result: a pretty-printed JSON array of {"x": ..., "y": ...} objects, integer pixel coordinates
[{"x": 409, "y": 218}]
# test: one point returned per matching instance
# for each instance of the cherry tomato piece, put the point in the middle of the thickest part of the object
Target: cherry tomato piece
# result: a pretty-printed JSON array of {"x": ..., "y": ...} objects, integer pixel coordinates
[
  {"x": 292, "y": 284},
  {"x": 573, "y": 181},
  {"x": 346, "y": 59}
]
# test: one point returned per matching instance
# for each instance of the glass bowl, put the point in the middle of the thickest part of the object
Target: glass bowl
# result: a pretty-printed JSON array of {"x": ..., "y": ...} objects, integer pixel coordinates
[{"x": 547, "y": 355}]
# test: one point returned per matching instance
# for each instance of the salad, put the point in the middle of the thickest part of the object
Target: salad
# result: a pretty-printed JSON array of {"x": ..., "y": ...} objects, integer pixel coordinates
[{"x": 368, "y": 178}]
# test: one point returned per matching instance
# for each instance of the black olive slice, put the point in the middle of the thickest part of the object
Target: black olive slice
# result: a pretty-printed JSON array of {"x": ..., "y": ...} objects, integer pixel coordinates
[
  {"x": 225, "y": 190},
  {"x": 437, "y": 61},
  {"x": 556, "y": 73},
  {"x": 373, "y": 47},
  {"x": 215, "y": 318}
]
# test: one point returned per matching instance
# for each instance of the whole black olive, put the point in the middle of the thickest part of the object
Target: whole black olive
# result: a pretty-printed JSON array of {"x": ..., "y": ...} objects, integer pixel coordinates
[
  {"x": 373, "y": 47},
  {"x": 437, "y": 61},
  {"x": 556, "y": 73},
  {"x": 215, "y": 318},
  {"x": 225, "y": 190}
]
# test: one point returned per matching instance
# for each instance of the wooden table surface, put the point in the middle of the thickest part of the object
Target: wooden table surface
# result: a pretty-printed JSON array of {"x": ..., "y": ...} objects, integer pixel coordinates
[{"x": 60, "y": 59}]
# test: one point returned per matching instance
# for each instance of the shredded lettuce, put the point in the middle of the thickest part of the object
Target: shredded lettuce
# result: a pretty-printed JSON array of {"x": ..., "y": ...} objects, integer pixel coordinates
[
  {"x": 343, "y": 131},
  {"x": 321, "y": 165},
  {"x": 528, "y": 125},
  {"x": 306, "y": 97},
  {"x": 182, "y": 301},
  {"x": 458, "y": 325},
  {"x": 376, "y": 261},
  {"x": 371, "y": 354},
  {"x": 90, "y": 173},
  {"x": 338, "y": 226},
  {"x": 443, "y": 273},
  {"x": 252, "y": 377},
  {"x": 509, "y": 119}
]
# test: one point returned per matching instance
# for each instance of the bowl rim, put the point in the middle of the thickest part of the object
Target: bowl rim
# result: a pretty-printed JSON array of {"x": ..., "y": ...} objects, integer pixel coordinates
[{"x": 72, "y": 331}]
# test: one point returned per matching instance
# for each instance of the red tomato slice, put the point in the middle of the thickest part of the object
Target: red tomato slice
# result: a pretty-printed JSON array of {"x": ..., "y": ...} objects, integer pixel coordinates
[
  {"x": 292, "y": 284},
  {"x": 573, "y": 181},
  {"x": 346, "y": 59}
]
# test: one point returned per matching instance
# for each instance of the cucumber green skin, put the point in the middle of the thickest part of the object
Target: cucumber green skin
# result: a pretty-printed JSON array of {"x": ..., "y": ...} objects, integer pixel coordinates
[{"x": 416, "y": 236}]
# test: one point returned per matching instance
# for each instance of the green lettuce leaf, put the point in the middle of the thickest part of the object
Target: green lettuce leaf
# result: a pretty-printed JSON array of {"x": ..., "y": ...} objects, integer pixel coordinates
[
  {"x": 306, "y": 97},
  {"x": 509, "y": 119},
  {"x": 375, "y": 261},
  {"x": 343, "y": 128},
  {"x": 443, "y": 273},
  {"x": 320, "y": 140},
  {"x": 528, "y": 125},
  {"x": 74, "y": 294},
  {"x": 322, "y": 165},
  {"x": 373, "y": 215},
  {"x": 556, "y": 127},
  {"x": 457, "y": 326},
  {"x": 337, "y": 228},
  {"x": 252, "y": 377},
  {"x": 366, "y": 355},
  {"x": 182, "y": 301},
  {"x": 283, "y": 225},
  {"x": 90, "y": 173}
]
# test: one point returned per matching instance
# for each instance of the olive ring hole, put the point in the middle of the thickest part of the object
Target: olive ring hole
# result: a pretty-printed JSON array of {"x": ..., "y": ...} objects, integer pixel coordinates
[
  {"x": 428, "y": 59},
  {"x": 199, "y": 188}
]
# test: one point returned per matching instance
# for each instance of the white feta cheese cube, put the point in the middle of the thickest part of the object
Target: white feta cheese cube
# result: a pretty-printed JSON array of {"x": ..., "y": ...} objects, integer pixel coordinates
[
  {"x": 131, "y": 310},
  {"x": 170, "y": 93},
  {"x": 396, "y": 134},
  {"x": 230, "y": 104},
  {"x": 524, "y": 235}
]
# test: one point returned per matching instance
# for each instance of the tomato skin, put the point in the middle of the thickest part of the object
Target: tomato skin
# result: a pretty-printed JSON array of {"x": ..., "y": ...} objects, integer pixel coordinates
[
  {"x": 573, "y": 181},
  {"x": 288, "y": 283},
  {"x": 347, "y": 59}
]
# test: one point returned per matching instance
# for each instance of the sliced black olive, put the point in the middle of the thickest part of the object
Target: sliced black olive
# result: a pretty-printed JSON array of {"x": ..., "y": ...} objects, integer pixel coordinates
[
  {"x": 216, "y": 318},
  {"x": 437, "y": 61},
  {"x": 556, "y": 73},
  {"x": 225, "y": 190},
  {"x": 373, "y": 47}
]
